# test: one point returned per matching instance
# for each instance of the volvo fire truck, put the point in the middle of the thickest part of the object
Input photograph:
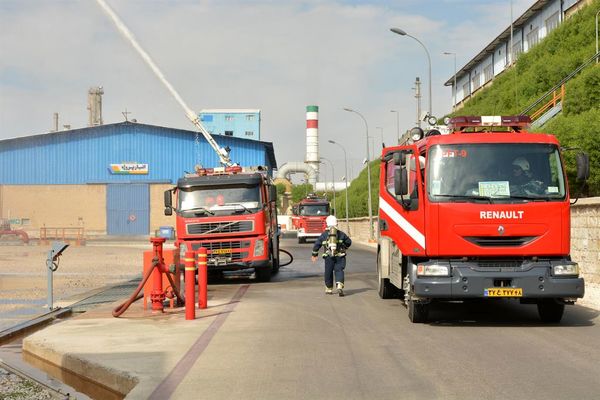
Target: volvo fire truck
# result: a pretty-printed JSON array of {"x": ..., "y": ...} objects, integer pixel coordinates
[
  {"x": 309, "y": 217},
  {"x": 480, "y": 213},
  {"x": 231, "y": 211}
]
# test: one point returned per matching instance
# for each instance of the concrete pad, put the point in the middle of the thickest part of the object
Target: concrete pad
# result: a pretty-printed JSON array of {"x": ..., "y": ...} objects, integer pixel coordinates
[{"x": 136, "y": 351}]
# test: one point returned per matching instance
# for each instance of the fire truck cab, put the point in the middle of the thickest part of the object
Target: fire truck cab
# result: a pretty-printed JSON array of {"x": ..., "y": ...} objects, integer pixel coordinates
[
  {"x": 309, "y": 217},
  {"x": 231, "y": 211},
  {"x": 480, "y": 213}
]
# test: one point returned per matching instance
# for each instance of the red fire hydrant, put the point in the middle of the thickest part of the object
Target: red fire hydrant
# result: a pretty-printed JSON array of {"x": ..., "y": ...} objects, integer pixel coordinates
[{"x": 157, "y": 296}]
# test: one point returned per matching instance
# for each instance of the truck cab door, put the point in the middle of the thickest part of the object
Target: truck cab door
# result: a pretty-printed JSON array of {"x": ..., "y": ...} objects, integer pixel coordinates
[{"x": 401, "y": 199}]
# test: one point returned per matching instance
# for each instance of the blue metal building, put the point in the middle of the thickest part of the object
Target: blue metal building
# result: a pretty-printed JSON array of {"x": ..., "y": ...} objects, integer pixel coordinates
[
  {"x": 241, "y": 123},
  {"x": 125, "y": 157}
]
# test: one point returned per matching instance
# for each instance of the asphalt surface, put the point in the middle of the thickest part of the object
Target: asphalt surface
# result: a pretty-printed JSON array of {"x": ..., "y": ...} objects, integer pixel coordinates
[{"x": 287, "y": 339}]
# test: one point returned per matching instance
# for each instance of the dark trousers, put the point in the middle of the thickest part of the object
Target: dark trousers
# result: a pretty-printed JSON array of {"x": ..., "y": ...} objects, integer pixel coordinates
[{"x": 337, "y": 265}]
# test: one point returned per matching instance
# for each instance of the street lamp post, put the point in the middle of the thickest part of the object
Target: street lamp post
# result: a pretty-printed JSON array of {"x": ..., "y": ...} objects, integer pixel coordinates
[
  {"x": 381, "y": 133},
  {"x": 597, "y": 35},
  {"x": 448, "y": 53},
  {"x": 371, "y": 235},
  {"x": 345, "y": 172},
  {"x": 402, "y": 33},
  {"x": 332, "y": 182},
  {"x": 397, "y": 125}
]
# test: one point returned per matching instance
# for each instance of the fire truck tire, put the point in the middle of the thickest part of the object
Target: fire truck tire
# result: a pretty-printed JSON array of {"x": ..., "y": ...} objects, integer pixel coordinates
[
  {"x": 550, "y": 310},
  {"x": 262, "y": 274},
  {"x": 417, "y": 312},
  {"x": 385, "y": 289}
]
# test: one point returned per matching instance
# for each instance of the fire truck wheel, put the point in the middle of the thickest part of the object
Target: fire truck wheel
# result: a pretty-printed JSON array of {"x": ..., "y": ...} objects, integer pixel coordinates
[
  {"x": 550, "y": 310},
  {"x": 262, "y": 274},
  {"x": 385, "y": 288},
  {"x": 417, "y": 312}
]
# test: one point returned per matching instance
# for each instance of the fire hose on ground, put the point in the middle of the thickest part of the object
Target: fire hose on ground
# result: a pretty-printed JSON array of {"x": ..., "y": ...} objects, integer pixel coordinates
[{"x": 289, "y": 255}]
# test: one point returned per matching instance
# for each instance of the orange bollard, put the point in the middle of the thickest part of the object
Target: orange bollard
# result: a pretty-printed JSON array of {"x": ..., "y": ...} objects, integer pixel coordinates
[
  {"x": 190, "y": 301},
  {"x": 157, "y": 296},
  {"x": 202, "y": 278}
]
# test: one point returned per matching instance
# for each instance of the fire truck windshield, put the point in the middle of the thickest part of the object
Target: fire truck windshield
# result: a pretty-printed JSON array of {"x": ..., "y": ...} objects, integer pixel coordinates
[
  {"x": 495, "y": 172},
  {"x": 313, "y": 210},
  {"x": 203, "y": 201}
]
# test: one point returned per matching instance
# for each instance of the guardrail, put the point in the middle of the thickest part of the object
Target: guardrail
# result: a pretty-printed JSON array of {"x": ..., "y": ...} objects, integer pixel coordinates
[{"x": 69, "y": 235}]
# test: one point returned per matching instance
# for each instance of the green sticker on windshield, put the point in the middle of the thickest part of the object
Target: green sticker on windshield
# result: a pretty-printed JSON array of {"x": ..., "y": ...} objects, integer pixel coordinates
[{"x": 494, "y": 189}]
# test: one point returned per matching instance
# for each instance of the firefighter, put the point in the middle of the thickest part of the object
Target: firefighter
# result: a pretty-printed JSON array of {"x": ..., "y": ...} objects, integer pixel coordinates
[{"x": 334, "y": 242}]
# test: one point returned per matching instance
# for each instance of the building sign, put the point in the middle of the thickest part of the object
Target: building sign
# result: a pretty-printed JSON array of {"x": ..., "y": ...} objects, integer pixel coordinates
[{"x": 129, "y": 169}]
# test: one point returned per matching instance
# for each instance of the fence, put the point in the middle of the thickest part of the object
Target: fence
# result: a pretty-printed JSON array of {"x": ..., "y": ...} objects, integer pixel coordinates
[{"x": 71, "y": 235}]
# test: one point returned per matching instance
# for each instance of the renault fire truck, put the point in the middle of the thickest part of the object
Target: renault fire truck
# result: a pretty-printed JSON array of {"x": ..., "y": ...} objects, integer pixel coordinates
[
  {"x": 309, "y": 217},
  {"x": 480, "y": 213},
  {"x": 231, "y": 211}
]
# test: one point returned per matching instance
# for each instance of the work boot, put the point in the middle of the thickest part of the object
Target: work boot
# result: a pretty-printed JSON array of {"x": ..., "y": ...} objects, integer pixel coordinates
[
  {"x": 328, "y": 290},
  {"x": 340, "y": 289}
]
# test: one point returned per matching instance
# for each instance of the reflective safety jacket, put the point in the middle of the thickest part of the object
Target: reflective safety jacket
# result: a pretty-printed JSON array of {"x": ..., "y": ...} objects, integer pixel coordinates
[{"x": 343, "y": 242}]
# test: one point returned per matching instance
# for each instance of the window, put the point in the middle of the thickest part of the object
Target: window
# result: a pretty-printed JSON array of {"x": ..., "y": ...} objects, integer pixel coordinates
[
  {"x": 488, "y": 73},
  {"x": 516, "y": 50},
  {"x": 229, "y": 118},
  {"x": 249, "y": 117},
  {"x": 249, "y": 133},
  {"x": 476, "y": 81},
  {"x": 466, "y": 91},
  {"x": 228, "y": 133},
  {"x": 533, "y": 37},
  {"x": 552, "y": 23},
  {"x": 206, "y": 118}
]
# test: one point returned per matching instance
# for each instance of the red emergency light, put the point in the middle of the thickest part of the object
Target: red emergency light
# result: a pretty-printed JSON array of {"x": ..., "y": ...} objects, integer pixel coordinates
[{"x": 515, "y": 122}]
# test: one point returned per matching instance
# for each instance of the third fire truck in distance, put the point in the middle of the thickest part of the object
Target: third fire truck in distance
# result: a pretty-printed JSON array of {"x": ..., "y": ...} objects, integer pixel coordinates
[
  {"x": 231, "y": 211},
  {"x": 309, "y": 217},
  {"x": 480, "y": 213}
]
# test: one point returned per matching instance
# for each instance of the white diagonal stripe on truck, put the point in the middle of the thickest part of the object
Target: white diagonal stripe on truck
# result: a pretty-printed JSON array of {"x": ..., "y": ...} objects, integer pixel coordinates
[{"x": 406, "y": 226}]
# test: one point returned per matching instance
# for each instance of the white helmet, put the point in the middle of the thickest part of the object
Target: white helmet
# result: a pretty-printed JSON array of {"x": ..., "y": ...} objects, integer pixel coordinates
[
  {"x": 522, "y": 163},
  {"x": 331, "y": 221}
]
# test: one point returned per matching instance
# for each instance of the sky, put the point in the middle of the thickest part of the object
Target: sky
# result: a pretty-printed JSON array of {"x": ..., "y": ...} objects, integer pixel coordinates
[{"x": 276, "y": 56}]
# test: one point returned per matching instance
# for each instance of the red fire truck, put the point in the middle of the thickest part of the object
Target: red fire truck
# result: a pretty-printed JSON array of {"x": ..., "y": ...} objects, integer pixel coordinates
[
  {"x": 309, "y": 217},
  {"x": 232, "y": 212},
  {"x": 480, "y": 213}
]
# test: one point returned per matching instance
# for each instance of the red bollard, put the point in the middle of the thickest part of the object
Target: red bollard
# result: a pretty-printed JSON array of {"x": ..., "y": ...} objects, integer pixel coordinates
[
  {"x": 190, "y": 301},
  {"x": 202, "y": 278},
  {"x": 157, "y": 296}
]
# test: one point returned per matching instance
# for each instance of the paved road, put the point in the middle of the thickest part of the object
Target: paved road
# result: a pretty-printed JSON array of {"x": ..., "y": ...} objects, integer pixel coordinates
[{"x": 288, "y": 340}]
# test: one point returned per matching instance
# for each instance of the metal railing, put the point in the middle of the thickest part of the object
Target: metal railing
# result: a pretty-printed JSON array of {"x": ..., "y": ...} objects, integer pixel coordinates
[
  {"x": 72, "y": 235},
  {"x": 561, "y": 83}
]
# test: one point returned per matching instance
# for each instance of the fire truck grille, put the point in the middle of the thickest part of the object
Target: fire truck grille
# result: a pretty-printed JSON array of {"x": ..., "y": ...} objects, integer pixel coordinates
[
  {"x": 499, "y": 263},
  {"x": 233, "y": 245},
  {"x": 315, "y": 226},
  {"x": 220, "y": 227},
  {"x": 500, "y": 241}
]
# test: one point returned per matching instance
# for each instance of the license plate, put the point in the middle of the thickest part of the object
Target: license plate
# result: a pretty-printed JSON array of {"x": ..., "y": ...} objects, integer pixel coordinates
[
  {"x": 221, "y": 251},
  {"x": 503, "y": 292}
]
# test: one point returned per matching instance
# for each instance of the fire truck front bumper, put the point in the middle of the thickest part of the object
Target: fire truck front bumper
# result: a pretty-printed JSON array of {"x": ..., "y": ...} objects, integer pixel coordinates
[
  {"x": 493, "y": 279},
  {"x": 311, "y": 235}
]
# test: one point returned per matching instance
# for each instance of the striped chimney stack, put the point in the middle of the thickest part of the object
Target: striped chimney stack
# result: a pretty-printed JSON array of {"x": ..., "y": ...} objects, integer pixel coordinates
[{"x": 312, "y": 139}]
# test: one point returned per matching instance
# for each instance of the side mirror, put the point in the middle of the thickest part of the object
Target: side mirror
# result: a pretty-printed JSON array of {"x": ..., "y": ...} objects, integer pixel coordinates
[
  {"x": 168, "y": 203},
  {"x": 583, "y": 166},
  {"x": 401, "y": 183},
  {"x": 332, "y": 211},
  {"x": 273, "y": 193}
]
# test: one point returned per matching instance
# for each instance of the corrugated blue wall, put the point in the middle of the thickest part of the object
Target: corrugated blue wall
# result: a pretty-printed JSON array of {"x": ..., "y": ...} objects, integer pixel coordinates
[{"x": 84, "y": 155}]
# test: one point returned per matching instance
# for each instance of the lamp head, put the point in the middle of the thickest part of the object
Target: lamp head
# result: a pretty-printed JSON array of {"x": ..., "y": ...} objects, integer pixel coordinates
[
  {"x": 331, "y": 141},
  {"x": 348, "y": 109},
  {"x": 398, "y": 31}
]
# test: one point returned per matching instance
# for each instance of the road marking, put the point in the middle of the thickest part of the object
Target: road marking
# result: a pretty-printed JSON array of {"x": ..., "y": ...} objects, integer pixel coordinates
[{"x": 168, "y": 386}]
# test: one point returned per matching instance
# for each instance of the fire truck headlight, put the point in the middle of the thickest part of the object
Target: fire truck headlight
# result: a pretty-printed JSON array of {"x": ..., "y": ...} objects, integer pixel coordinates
[
  {"x": 433, "y": 270},
  {"x": 259, "y": 247},
  {"x": 566, "y": 269}
]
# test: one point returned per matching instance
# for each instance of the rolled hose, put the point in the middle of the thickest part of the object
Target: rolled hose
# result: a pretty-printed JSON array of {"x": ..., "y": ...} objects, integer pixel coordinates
[
  {"x": 289, "y": 255},
  {"x": 136, "y": 296}
]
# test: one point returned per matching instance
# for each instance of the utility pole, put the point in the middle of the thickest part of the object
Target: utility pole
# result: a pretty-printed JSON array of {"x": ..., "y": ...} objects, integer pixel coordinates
[{"x": 418, "y": 97}]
